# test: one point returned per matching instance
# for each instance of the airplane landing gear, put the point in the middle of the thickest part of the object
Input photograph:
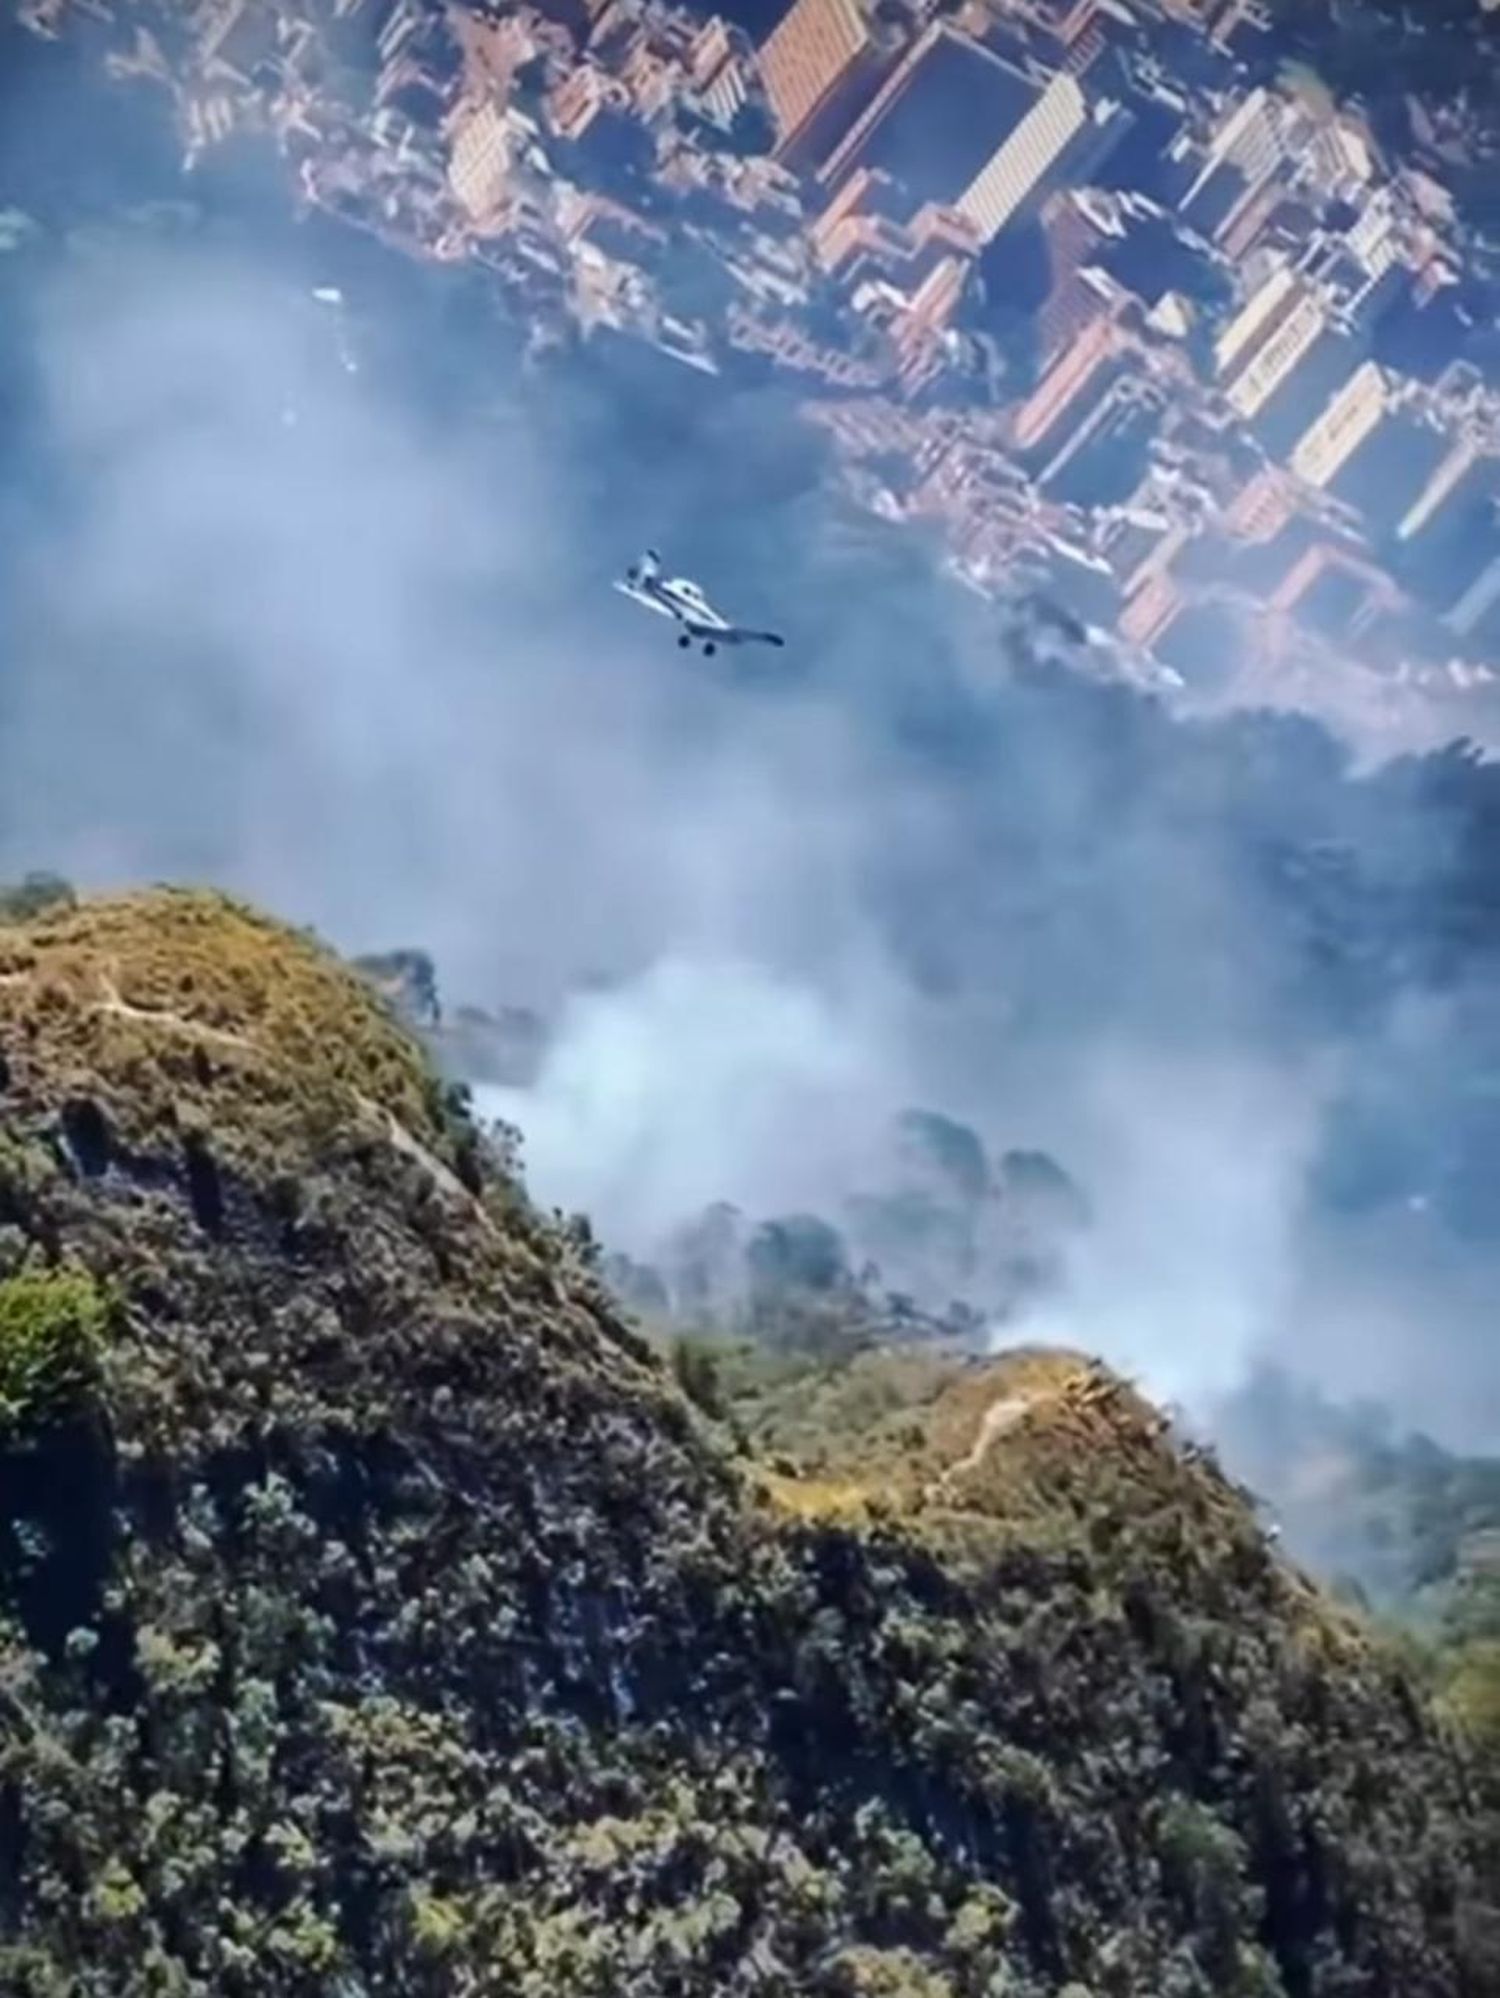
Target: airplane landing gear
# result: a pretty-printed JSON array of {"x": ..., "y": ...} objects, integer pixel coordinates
[
  {"x": 684, "y": 641},
  {"x": 709, "y": 650}
]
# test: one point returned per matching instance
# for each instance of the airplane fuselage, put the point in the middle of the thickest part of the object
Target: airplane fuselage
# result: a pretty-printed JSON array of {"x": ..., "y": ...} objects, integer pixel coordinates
[
  {"x": 681, "y": 599},
  {"x": 670, "y": 596}
]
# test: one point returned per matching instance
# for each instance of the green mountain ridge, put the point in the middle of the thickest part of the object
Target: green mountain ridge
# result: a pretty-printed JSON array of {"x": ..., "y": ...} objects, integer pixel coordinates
[{"x": 377, "y": 1615}]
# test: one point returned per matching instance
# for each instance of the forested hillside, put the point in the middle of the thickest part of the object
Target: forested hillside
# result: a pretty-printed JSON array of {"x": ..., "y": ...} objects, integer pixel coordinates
[{"x": 379, "y": 1616}]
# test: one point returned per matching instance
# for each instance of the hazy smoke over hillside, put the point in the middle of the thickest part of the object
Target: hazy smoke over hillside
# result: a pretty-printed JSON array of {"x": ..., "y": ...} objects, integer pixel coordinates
[
  {"x": 1190, "y": 1267},
  {"x": 273, "y": 623},
  {"x": 701, "y": 1075}
]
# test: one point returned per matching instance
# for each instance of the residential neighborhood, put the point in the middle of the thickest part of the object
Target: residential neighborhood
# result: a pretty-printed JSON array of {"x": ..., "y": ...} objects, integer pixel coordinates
[{"x": 1115, "y": 300}]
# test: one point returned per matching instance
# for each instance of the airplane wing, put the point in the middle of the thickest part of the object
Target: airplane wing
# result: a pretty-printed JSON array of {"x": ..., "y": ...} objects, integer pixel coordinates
[
  {"x": 643, "y": 596},
  {"x": 735, "y": 634}
]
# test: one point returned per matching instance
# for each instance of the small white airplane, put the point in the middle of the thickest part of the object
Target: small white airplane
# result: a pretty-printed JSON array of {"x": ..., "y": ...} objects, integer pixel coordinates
[{"x": 677, "y": 597}]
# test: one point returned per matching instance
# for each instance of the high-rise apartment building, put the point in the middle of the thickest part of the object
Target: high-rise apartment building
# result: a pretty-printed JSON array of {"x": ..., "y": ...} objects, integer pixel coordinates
[
  {"x": 479, "y": 163},
  {"x": 1374, "y": 237},
  {"x": 1105, "y": 451},
  {"x": 1020, "y": 164},
  {"x": 405, "y": 22},
  {"x": 1350, "y": 419},
  {"x": 1262, "y": 508},
  {"x": 937, "y": 117},
  {"x": 1247, "y": 149},
  {"x": 1270, "y": 302},
  {"x": 1072, "y": 375},
  {"x": 585, "y": 94},
  {"x": 1391, "y": 467},
  {"x": 956, "y": 124},
  {"x": 1375, "y": 448},
  {"x": 1465, "y": 473},
  {"x": 1448, "y": 535},
  {"x": 1275, "y": 358},
  {"x": 813, "y": 58},
  {"x": 1250, "y": 136},
  {"x": 1473, "y": 616}
]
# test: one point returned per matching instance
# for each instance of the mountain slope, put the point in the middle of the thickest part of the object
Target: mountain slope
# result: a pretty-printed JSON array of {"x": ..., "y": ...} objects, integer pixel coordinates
[{"x": 378, "y": 1617}]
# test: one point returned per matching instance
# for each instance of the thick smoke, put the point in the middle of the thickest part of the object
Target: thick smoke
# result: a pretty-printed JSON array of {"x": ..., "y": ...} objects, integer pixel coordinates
[
  {"x": 314, "y": 603},
  {"x": 1191, "y": 1266},
  {"x": 701, "y": 1075}
]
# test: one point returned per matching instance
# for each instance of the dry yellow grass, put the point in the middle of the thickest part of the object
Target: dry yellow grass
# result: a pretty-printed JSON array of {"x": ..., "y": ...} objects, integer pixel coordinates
[
  {"x": 1036, "y": 1445},
  {"x": 180, "y": 1008},
  {"x": 1037, "y": 1419},
  {"x": 810, "y": 1500},
  {"x": 993, "y": 1437}
]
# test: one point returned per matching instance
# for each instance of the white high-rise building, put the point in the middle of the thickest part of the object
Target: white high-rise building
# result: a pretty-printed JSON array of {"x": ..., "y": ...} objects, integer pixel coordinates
[
  {"x": 1477, "y": 601},
  {"x": 1351, "y": 417},
  {"x": 1277, "y": 357},
  {"x": 1254, "y": 318},
  {"x": 1014, "y": 170},
  {"x": 1373, "y": 237},
  {"x": 1250, "y": 139}
]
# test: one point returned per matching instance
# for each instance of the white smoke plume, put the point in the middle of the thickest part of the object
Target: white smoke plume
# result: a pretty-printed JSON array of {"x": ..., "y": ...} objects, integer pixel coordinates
[
  {"x": 1190, "y": 1272},
  {"x": 700, "y": 1075}
]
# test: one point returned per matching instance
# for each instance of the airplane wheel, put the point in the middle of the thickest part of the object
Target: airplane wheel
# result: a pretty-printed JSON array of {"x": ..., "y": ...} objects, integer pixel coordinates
[
  {"x": 709, "y": 650},
  {"x": 684, "y": 641}
]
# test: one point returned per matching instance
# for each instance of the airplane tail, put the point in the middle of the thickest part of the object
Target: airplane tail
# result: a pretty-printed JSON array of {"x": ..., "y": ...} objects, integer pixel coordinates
[{"x": 648, "y": 568}]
